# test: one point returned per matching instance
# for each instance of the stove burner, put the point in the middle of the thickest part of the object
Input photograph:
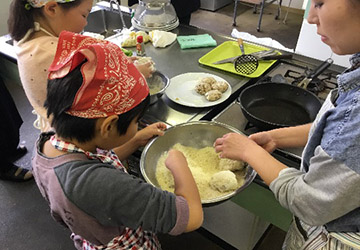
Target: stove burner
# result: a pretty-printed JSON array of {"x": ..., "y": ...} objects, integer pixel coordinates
[
  {"x": 293, "y": 74},
  {"x": 316, "y": 85}
]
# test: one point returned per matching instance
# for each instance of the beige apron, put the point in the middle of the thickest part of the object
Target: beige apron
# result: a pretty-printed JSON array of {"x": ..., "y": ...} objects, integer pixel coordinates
[{"x": 40, "y": 123}]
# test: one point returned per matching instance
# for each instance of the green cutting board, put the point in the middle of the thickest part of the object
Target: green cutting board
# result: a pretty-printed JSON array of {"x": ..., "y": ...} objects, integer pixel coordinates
[{"x": 230, "y": 49}]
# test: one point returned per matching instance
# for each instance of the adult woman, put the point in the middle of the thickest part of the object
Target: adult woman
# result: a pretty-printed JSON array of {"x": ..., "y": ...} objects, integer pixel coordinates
[
  {"x": 324, "y": 195},
  {"x": 10, "y": 150},
  {"x": 35, "y": 26}
]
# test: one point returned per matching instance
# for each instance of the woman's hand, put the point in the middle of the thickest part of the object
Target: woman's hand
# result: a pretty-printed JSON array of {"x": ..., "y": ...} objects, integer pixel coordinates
[
  {"x": 144, "y": 135},
  {"x": 233, "y": 146},
  {"x": 264, "y": 140},
  {"x": 239, "y": 147}
]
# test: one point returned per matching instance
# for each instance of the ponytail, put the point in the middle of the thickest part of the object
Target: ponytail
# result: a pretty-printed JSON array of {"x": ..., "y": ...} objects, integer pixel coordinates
[{"x": 21, "y": 19}]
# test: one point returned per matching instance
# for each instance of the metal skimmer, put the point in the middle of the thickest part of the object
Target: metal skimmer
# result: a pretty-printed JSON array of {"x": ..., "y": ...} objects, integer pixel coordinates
[{"x": 245, "y": 64}]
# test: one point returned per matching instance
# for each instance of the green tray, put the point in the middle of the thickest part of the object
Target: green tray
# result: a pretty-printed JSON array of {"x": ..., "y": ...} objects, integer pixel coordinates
[{"x": 229, "y": 49}]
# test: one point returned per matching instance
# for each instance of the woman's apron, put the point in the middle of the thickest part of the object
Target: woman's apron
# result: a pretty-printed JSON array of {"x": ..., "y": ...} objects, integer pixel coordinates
[{"x": 304, "y": 237}]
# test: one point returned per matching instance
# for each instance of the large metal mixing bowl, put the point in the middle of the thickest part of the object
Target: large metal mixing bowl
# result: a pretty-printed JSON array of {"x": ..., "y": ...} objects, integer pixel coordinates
[{"x": 194, "y": 134}]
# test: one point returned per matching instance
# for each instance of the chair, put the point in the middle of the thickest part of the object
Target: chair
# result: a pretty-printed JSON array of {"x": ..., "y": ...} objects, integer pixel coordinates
[{"x": 262, "y": 4}]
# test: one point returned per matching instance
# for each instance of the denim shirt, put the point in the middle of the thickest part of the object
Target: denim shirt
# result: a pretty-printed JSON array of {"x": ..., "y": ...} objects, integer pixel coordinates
[
  {"x": 335, "y": 127},
  {"x": 326, "y": 191}
]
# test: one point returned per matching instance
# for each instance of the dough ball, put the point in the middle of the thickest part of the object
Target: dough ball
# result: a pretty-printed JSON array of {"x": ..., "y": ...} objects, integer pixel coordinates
[
  {"x": 224, "y": 181},
  {"x": 220, "y": 85},
  {"x": 232, "y": 165},
  {"x": 213, "y": 95},
  {"x": 202, "y": 87},
  {"x": 211, "y": 80}
]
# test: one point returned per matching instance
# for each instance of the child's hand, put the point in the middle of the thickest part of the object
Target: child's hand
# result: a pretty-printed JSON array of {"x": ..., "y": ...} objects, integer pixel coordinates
[
  {"x": 144, "y": 135},
  {"x": 175, "y": 159},
  {"x": 133, "y": 58},
  {"x": 185, "y": 186},
  {"x": 146, "y": 69}
]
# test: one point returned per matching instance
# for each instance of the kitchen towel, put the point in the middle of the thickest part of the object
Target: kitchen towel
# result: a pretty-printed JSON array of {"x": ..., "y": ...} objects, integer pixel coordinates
[
  {"x": 196, "y": 41},
  {"x": 267, "y": 41},
  {"x": 162, "y": 38}
]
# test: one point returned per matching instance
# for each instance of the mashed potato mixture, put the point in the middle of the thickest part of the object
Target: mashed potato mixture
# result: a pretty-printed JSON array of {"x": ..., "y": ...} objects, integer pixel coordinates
[{"x": 204, "y": 164}]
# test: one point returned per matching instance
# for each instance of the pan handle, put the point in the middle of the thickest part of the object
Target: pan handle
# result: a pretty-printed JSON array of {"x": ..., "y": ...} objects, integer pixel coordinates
[
  {"x": 322, "y": 67},
  {"x": 277, "y": 57}
]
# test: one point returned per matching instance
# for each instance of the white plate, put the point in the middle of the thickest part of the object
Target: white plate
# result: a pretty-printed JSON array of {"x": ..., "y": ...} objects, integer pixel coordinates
[{"x": 182, "y": 90}]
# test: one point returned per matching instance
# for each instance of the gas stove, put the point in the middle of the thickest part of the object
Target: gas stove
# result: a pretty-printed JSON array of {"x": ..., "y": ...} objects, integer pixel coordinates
[{"x": 291, "y": 72}]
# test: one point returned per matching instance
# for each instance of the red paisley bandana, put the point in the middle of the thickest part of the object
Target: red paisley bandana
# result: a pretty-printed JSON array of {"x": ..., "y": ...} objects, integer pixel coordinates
[{"x": 112, "y": 84}]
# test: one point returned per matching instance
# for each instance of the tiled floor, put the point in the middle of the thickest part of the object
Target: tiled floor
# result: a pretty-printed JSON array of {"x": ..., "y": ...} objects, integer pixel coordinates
[{"x": 24, "y": 215}]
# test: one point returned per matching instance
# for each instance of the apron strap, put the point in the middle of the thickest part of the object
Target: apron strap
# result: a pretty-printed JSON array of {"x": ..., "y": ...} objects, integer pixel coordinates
[{"x": 37, "y": 27}]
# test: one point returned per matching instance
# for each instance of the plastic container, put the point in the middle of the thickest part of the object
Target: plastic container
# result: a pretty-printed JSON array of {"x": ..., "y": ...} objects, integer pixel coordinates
[{"x": 140, "y": 50}]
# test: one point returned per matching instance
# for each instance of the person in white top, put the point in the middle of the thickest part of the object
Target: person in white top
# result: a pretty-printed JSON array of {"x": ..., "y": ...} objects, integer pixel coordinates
[{"x": 35, "y": 26}]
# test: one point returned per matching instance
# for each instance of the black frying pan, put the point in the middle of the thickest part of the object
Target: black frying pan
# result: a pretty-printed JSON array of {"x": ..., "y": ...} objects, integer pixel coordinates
[{"x": 275, "y": 105}]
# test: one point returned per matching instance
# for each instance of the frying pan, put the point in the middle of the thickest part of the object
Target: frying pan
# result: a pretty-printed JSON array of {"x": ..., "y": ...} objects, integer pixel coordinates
[{"x": 274, "y": 105}]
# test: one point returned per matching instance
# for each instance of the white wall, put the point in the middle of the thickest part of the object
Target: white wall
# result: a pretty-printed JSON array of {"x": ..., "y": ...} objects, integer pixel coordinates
[
  {"x": 305, "y": 4},
  {"x": 4, "y": 15},
  {"x": 310, "y": 44},
  {"x": 296, "y": 4}
]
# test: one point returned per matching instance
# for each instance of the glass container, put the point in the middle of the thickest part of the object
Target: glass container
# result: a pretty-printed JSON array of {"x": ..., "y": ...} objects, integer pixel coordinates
[{"x": 155, "y": 15}]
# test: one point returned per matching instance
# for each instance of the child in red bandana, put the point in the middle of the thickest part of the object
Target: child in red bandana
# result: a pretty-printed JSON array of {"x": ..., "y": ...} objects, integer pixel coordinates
[{"x": 96, "y": 96}]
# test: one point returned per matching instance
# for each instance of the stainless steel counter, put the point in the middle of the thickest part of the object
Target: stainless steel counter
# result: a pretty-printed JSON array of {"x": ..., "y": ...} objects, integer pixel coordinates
[{"x": 173, "y": 61}]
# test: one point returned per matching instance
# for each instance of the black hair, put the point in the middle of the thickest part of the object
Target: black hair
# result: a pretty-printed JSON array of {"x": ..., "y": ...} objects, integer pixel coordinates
[
  {"x": 60, "y": 96},
  {"x": 21, "y": 17}
]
